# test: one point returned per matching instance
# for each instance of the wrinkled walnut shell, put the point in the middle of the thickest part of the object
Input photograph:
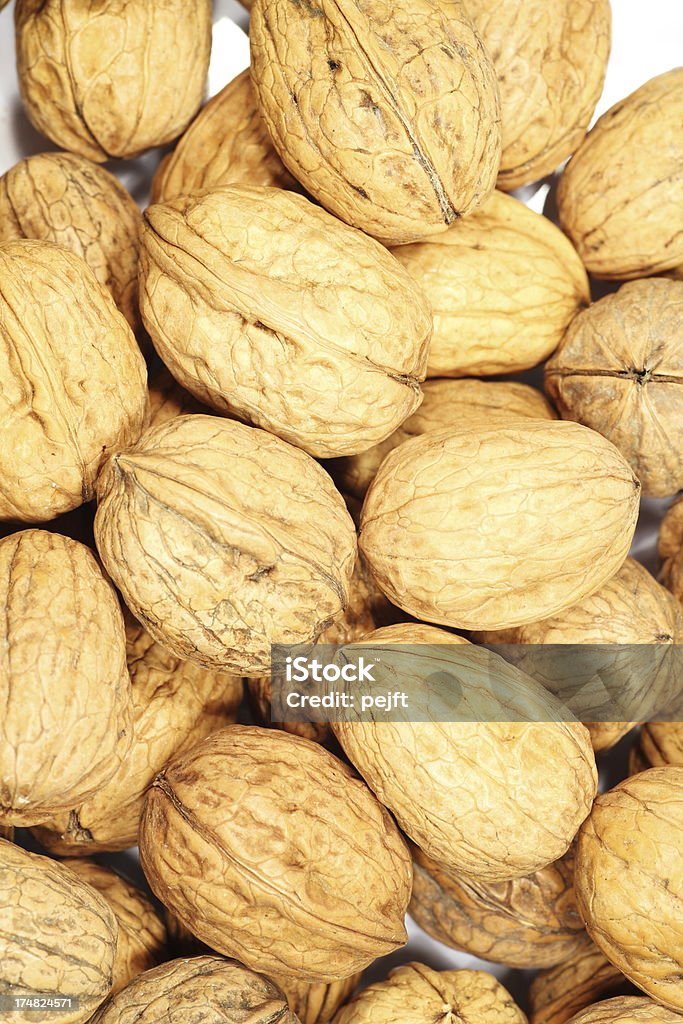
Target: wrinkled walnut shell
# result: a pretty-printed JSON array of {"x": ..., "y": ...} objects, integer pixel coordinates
[
  {"x": 167, "y": 399},
  {"x": 558, "y": 994},
  {"x": 626, "y": 1010},
  {"x": 659, "y": 744},
  {"x": 670, "y": 549}
]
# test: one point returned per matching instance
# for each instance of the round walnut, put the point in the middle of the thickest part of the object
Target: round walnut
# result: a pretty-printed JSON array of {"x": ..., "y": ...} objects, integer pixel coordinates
[
  {"x": 629, "y": 880},
  {"x": 74, "y": 381},
  {"x": 264, "y": 306},
  {"x": 626, "y": 1010},
  {"x": 447, "y": 404},
  {"x": 206, "y": 988},
  {"x": 416, "y": 994},
  {"x": 64, "y": 686},
  {"x": 227, "y": 142},
  {"x": 531, "y": 922},
  {"x": 504, "y": 286},
  {"x": 670, "y": 549},
  {"x": 398, "y": 136},
  {"x": 499, "y": 527},
  {"x": 174, "y": 705},
  {"x": 167, "y": 399},
  {"x": 224, "y": 540},
  {"x": 619, "y": 370},
  {"x": 114, "y": 79},
  {"x": 623, "y": 212},
  {"x": 250, "y": 805},
  {"x": 659, "y": 744},
  {"x": 141, "y": 939},
  {"x": 550, "y": 61},
  {"x": 58, "y": 937},
  {"x": 557, "y": 994}
]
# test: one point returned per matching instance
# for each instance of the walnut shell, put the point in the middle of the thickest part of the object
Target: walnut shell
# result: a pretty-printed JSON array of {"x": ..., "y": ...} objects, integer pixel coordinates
[
  {"x": 316, "y": 1004},
  {"x": 500, "y": 527},
  {"x": 629, "y": 880},
  {"x": 167, "y": 399},
  {"x": 114, "y": 79},
  {"x": 626, "y": 1010},
  {"x": 619, "y": 370},
  {"x": 416, "y": 994},
  {"x": 224, "y": 540},
  {"x": 446, "y": 403},
  {"x": 74, "y": 381},
  {"x": 257, "y": 301},
  {"x": 670, "y": 548},
  {"x": 398, "y": 135},
  {"x": 58, "y": 936},
  {"x": 205, "y": 989},
  {"x": 269, "y": 849},
  {"x": 141, "y": 939},
  {"x": 623, "y": 212},
  {"x": 62, "y": 198},
  {"x": 226, "y": 143},
  {"x": 174, "y": 705},
  {"x": 659, "y": 744},
  {"x": 528, "y": 922},
  {"x": 63, "y": 683},
  {"x": 557, "y": 994}
]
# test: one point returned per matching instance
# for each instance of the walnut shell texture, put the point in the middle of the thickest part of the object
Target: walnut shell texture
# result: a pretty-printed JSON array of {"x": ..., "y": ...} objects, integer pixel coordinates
[
  {"x": 670, "y": 548},
  {"x": 316, "y": 1004},
  {"x": 557, "y": 994},
  {"x": 387, "y": 113},
  {"x": 167, "y": 399},
  {"x": 115, "y": 78},
  {"x": 626, "y": 1010},
  {"x": 74, "y": 381},
  {"x": 659, "y": 744},
  {"x": 622, "y": 212},
  {"x": 263, "y": 305},
  {"x": 269, "y": 849}
]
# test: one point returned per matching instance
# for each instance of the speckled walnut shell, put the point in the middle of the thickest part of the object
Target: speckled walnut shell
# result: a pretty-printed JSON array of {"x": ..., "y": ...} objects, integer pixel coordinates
[
  {"x": 58, "y": 936},
  {"x": 504, "y": 286},
  {"x": 64, "y": 407},
  {"x": 263, "y": 305},
  {"x": 316, "y": 1004},
  {"x": 63, "y": 198},
  {"x": 270, "y": 849},
  {"x": 446, "y": 404},
  {"x": 499, "y": 527},
  {"x": 557, "y": 994},
  {"x": 64, "y": 686},
  {"x": 388, "y": 113},
  {"x": 623, "y": 212},
  {"x": 659, "y": 744},
  {"x": 670, "y": 548},
  {"x": 114, "y": 79},
  {"x": 416, "y": 994},
  {"x": 629, "y": 882},
  {"x": 550, "y": 61},
  {"x": 224, "y": 540},
  {"x": 167, "y": 399},
  {"x": 227, "y": 142},
  {"x": 619, "y": 370},
  {"x": 627, "y": 1010}
]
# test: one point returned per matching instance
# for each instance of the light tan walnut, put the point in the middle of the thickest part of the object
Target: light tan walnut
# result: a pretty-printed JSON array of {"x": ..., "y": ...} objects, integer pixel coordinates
[
  {"x": 627, "y": 1010},
  {"x": 318, "y": 1003},
  {"x": 659, "y": 744},
  {"x": 670, "y": 548},
  {"x": 167, "y": 399},
  {"x": 556, "y": 995}
]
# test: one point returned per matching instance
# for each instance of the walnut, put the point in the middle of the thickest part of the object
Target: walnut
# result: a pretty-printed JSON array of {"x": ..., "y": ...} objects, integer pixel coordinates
[
  {"x": 659, "y": 744},
  {"x": 626, "y": 1010},
  {"x": 316, "y": 1004},
  {"x": 556, "y": 995},
  {"x": 167, "y": 399},
  {"x": 670, "y": 548}
]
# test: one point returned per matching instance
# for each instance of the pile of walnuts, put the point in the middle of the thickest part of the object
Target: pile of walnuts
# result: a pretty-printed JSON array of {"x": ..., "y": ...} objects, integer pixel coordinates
[{"x": 261, "y": 412}]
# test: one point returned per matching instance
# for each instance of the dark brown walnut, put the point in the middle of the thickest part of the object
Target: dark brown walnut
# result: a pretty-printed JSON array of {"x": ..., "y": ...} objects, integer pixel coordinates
[
  {"x": 557, "y": 994},
  {"x": 271, "y": 850},
  {"x": 141, "y": 939},
  {"x": 63, "y": 198},
  {"x": 203, "y": 990},
  {"x": 619, "y": 370},
  {"x": 629, "y": 881},
  {"x": 416, "y": 994},
  {"x": 264, "y": 306},
  {"x": 224, "y": 540},
  {"x": 529, "y": 922},
  {"x": 58, "y": 937},
  {"x": 550, "y": 61},
  {"x": 627, "y": 1010},
  {"x": 174, "y": 705},
  {"x": 659, "y": 744},
  {"x": 227, "y": 142},
  {"x": 112, "y": 79},
  {"x": 64, "y": 685},
  {"x": 388, "y": 114},
  {"x": 670, "y": 549},
  {"x": 64, "y": 406},
  {"x": 167, "y": 399},
  {"x": 622, "y": 212}
]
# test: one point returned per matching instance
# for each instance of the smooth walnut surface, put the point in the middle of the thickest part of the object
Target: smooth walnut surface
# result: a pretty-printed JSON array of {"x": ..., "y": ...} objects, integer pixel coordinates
[
  {"x": 492, "y": 799},
  {"x": 224, "y": 540},
  {"x": 263, "y": 305},
  {"x": 659, "y": 744},
  {"x": 498, "y": 527},
  {"x": 629, "y": 880},
  {"x": 504, "y": 285},
  {"x": 627, "y": 1010},
  {"x": 623, "y": 212},
  {"x": 556, "y": 995},
  {"x": 58, "y": 937},
  {"x": 64, "y": 686},
  {"x": 619, "y": 370},
  {"x": 115, "y": 78},
  {"x": 550, "y": 61},
  {"x": 74, "y": 380},
  {"x": 271, "y": 850},
  {"x": 388, "y": 113}
]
